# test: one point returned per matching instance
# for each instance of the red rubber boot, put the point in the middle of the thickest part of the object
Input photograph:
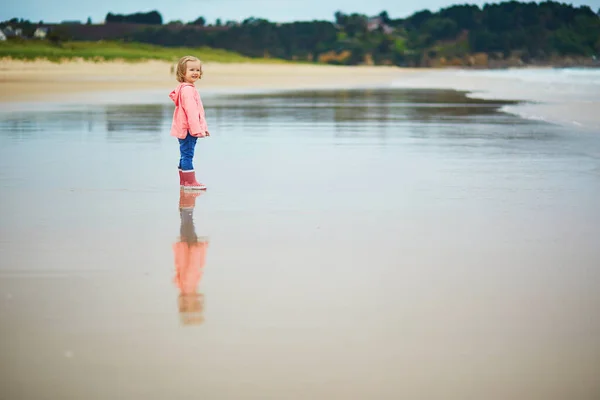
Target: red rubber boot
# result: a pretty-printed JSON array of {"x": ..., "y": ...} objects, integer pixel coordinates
[{"x": 189, "y": 181}]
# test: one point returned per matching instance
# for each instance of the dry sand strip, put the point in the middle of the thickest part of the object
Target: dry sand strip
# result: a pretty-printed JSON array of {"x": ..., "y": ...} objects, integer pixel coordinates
[{"x": 46, "y": 81}]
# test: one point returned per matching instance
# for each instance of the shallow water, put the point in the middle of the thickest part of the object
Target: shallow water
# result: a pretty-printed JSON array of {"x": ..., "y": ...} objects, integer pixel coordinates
[{"x": 361, "y": 244}]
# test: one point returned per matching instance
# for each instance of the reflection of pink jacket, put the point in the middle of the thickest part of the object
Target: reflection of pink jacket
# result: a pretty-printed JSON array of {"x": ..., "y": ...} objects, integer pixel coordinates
[
  {"x": 189, "y": 112},
  {"x": 189, "y": 265}
]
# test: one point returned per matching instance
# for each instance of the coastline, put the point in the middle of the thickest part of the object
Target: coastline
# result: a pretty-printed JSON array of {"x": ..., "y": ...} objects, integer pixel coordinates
[{"x": 541, "y": 97}]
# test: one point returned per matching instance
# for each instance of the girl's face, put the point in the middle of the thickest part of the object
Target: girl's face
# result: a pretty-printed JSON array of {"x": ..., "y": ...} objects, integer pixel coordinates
[{"x": 192, "y": 71}]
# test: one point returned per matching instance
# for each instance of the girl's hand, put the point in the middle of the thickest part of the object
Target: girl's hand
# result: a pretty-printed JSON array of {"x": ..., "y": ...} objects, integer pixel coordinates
[{"x": 207, "y": 133}]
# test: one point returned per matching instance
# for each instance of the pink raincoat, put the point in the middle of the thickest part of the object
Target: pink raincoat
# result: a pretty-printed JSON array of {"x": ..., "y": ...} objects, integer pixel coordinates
[{"x": 189, "y": 112}]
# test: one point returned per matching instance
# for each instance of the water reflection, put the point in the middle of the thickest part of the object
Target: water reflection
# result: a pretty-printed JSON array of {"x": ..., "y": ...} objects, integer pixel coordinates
[
  {"x": 347, "y": 107},
  {"x": 120, "y": 123},
  {"x": 147, "y": 117},
  {"x": 190, "y": 257},
  {"x": 381, "y": 113},
  {"x": 136, "y": 123}
]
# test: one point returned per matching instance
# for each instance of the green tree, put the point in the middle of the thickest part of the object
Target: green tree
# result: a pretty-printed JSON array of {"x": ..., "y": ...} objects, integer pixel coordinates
[
  {"x": 200, "y": 21},
  {"x": 150, "y": 18},
  {"x": 530, "y": 30},
  {"x": 465, "y": 16},
  {"x": 417, "y": 19},
  {"x": 385, "y": 18},
  {"x": 440, "y": 28}
]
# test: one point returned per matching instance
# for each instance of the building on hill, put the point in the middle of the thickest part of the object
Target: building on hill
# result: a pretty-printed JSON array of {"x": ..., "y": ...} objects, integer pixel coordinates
[
  {"x": 9, "y": 31},
  {"x": 377, "y": 23},
  {"x": 2, "y": 36},
  {"x": 40, "y": 33}
]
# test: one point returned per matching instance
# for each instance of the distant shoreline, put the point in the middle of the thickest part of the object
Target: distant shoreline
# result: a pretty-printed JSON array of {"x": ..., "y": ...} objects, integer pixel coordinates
[{"x": 86, "y": 82}]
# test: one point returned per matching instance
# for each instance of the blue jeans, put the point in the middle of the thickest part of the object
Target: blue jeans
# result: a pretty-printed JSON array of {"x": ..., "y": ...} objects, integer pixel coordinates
[{"x": 186, "y": 151}]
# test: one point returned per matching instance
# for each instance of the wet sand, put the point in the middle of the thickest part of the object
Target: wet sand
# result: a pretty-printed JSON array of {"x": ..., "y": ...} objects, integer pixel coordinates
[{"x": 361, "y": 244}]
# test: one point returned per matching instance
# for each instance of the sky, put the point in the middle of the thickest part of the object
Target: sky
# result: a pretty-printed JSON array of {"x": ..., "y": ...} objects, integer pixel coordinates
[{"x": 189, "y": 10}]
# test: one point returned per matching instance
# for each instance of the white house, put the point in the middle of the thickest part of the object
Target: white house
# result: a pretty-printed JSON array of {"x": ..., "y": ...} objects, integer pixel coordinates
[
  {"x": 376, "y": 23},
  {"x": 9, "y": 31},
  {"x": 40, "y": 33},
  {"x": 2, "y": 36},
  {"x": 373, "y": 23}
]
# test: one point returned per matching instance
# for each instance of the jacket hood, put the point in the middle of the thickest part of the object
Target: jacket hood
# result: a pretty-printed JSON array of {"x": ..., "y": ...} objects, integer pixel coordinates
[{"x": 174, "y": 95}]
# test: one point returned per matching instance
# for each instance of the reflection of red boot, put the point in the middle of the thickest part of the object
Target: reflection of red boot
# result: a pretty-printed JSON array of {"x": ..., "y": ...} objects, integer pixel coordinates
[
  {"x": 189, "y": 181},
  {"x": 187, "y": 199},
  {"x": 180, "y": 177}
]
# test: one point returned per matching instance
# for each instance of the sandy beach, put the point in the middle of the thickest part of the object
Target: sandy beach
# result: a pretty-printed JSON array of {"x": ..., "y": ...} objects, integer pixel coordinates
[
  {"x": 48, "y": 81},
  {"x": 382, "y": 237}
]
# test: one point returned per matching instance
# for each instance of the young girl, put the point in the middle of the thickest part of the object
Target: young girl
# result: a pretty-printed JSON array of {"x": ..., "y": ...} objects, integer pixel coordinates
[{"x": 189, "y": 122}]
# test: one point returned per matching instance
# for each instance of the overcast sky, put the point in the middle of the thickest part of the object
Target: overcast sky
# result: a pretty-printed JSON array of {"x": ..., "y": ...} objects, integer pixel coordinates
[{"x": 188, "y": 10}]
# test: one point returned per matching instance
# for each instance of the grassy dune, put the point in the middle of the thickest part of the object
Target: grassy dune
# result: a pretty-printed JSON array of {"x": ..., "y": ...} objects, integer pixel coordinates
[{"x": 102, "y": 51}]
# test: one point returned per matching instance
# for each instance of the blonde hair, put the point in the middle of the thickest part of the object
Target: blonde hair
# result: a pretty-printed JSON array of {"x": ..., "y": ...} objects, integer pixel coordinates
[{"x": 182, "y": 64}]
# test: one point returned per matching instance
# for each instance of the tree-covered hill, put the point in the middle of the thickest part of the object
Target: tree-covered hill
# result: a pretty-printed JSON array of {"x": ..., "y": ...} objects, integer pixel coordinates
[{"x": 508, "y": 33}]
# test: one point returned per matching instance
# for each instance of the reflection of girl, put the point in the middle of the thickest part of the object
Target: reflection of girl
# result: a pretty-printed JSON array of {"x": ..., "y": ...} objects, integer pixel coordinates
[{"x": 190, "y": 256}]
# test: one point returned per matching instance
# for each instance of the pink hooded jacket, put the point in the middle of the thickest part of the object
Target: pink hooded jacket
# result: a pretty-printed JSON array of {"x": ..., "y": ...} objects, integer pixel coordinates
[{"x": 189, "y": 112}]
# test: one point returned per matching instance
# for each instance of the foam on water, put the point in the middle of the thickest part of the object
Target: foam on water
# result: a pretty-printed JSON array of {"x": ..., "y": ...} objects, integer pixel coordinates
[
  {"x": 576, "y": 76},
  {"x": 569, "y": 96}
]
